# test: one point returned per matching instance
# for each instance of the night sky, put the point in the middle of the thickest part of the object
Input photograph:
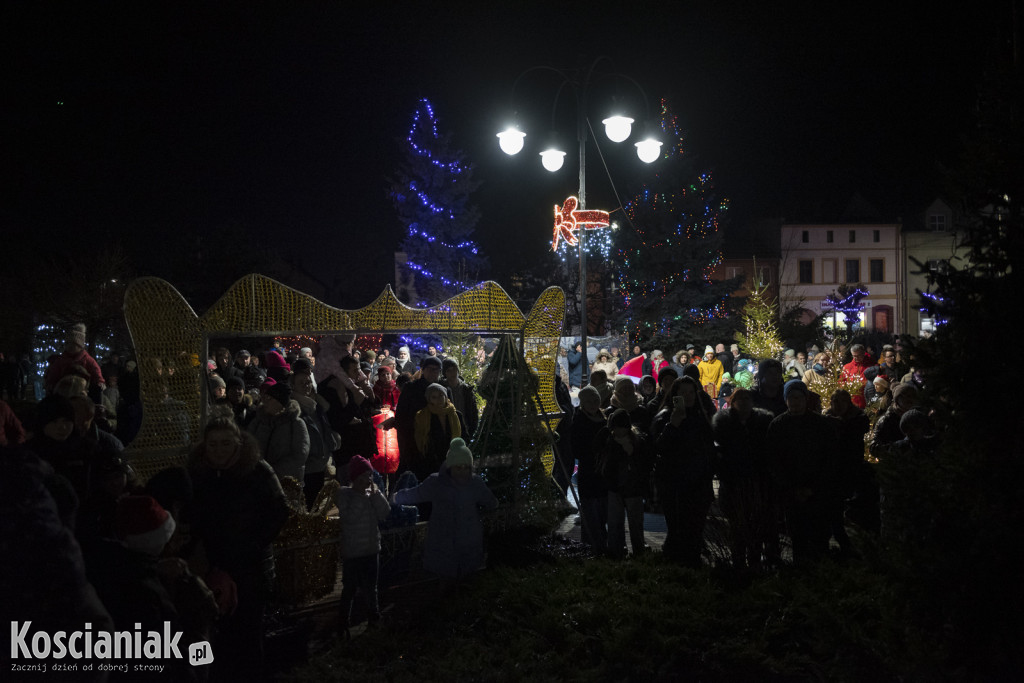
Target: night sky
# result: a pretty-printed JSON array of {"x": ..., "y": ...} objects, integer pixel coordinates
[{"x": 146, "y": 123}]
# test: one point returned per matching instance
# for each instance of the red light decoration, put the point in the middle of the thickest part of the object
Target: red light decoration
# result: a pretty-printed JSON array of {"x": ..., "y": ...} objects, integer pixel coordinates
[{"x": 568, "y": 219}]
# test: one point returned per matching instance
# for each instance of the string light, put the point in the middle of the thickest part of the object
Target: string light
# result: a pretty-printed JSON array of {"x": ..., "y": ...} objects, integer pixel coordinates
[
  {"x": 688, "y": 220},
  {"x": 433, "y": 206}
]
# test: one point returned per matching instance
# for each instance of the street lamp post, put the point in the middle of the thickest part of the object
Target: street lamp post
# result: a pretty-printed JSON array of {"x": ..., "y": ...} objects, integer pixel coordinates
[{"x": 617, "y": 128}]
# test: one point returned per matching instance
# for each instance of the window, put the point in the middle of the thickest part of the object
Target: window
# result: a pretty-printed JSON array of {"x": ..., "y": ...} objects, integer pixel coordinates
[
  {"x": 828, "y": 237},
  {"x": 764, "y": 275},
  {"x": 852, "y": 270},
  {"x": 853, "y": 236},
  {"x": 806, "y": 272},
  {"x": 734, "y": 271},
  {"x": 877, "y": 270},
  {"x": 876, "y": 235},
  {"x": 937, "y": 222},
  {"x": 805, "y": 237}
]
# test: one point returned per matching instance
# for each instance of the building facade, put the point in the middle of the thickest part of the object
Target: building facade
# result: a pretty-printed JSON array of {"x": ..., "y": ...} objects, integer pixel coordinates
[
  {"x": 817, "y": 259},
  {"x": 931, "y": 243}
]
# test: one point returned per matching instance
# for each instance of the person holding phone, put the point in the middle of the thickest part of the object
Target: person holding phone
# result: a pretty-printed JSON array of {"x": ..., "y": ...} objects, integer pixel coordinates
[{"x": 684, "y": 445}]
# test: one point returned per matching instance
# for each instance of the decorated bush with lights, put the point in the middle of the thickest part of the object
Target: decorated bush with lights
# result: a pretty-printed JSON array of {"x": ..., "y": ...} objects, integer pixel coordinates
[
  {"x": 431, "y": 195},
  {"x": 665, "y": 255}
]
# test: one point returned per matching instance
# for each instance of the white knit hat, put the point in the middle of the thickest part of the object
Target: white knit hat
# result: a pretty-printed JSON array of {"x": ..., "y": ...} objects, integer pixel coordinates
[{"x": 458, "y": 454}]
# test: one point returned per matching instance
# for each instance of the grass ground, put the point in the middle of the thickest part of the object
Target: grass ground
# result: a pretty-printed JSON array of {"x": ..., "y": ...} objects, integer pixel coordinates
[{"x": 573, "y": 619}]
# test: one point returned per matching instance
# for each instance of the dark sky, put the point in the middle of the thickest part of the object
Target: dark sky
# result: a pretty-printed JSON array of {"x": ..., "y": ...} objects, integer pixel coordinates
[{"x": 147, "y": 122}]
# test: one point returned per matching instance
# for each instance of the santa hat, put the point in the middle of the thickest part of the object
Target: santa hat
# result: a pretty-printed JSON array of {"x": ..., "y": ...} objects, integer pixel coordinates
[{"x": 142, "y": 525}]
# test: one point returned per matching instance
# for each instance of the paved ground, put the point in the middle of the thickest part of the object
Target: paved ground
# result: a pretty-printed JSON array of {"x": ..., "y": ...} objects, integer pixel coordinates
[{"x": 654, "y": 530}]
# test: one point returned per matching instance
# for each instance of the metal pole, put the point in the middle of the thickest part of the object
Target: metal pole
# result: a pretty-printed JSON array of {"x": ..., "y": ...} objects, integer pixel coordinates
[{"x": 581, "y": 135}]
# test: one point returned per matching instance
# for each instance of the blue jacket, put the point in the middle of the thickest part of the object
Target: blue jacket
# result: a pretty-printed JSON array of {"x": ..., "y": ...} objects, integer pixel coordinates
[
  {"x": 455, "y": 536},
  {"x": 575, "y": 367}
]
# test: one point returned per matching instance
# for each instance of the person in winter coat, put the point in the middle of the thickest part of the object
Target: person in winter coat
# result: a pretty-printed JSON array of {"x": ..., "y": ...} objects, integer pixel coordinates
[
  {"x": 587, "y": 421},
  {"x": 281, "y": 434},
  {"x": 803, "y": 450},
  {"x": 745, "y": 489},
  {"x": 313, "y": 410},
  {"x": 854, "y": 477},
  {"x": 683, "y": 470},
  {"x": 454, "y": 547},
  {"x": 575, "y": 358},
  {"x": 711, "y": 372},
  {"x": 361, "y": 507},
  {"x": 624, "y": 397},
  {"x": 384, "y": 389},
  {"x": 887, "y": 427},
  {"x": 75, "y": 355},
  {"x": 625, "y": 460},
  {"x": 604, "y": 362},
  {"x": 436, "y": 425},
  {"x": 237, "y": 510},
  {"x": 463, "y": 395}
]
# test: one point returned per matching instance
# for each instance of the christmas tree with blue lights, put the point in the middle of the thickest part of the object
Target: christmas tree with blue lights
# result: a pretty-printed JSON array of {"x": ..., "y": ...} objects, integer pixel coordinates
[
  {"x": 666, "y": 252},
  {"x": 431, "y": 193}
]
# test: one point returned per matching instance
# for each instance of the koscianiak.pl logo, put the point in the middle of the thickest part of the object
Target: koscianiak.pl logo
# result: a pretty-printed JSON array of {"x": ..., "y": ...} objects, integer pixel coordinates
[{"x": 88, "y": 650}]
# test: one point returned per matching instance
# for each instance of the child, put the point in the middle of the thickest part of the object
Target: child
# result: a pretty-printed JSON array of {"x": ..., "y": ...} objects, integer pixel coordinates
[
  {"x": 455, "y": 536},
  {"x": 436, "y": 426},
  {"x": 361, "y": 506}
]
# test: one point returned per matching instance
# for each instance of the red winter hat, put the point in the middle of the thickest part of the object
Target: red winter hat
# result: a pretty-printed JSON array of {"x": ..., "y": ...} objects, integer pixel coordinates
[
  {"x": 143, "y": 525},
  {"x": 276, "y": 360},
  {"x": 357, "y": 466}
]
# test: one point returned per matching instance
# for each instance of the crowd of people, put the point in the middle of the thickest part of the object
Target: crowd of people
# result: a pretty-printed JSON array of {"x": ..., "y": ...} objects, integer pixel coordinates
[
  {"x": 785, "y": 464},
  {"x": 193, "y": 545}
]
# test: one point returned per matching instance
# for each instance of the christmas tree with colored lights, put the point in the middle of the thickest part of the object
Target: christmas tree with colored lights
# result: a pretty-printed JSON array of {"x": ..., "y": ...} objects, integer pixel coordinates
[
  {"x": 665, "y": 254},
  {"x": 431, "y": 193}
]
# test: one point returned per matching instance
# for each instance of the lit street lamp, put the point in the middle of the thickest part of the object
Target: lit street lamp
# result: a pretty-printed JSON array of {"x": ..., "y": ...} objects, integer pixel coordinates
[{"x": 618, "y": 129}]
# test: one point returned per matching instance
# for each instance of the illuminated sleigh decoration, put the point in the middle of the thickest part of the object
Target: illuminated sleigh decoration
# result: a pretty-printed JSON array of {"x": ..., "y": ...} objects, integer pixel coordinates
[{"x": 171, "y": 343}]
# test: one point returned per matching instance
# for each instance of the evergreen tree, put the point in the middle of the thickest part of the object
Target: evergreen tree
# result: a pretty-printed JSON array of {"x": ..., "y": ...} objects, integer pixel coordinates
[
  {"x": 513, "y": 441},
  {"x": 760, "y": 335},
  {"x": 666, "y": 255},
  {"x": 431, "y": 196}
]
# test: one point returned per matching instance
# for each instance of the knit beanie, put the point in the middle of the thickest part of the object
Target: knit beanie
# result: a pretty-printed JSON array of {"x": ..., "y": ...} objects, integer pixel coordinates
[
  {"x": 458, "y": 454},
  {"x": 904, "y": 388},
  {"x": 435, "y": 388},
  {"x": 275, "y": 360},
  {"x": 76, "y": 334},
  {"x": 708, "y": 349},
  {"x": 589, "y": 390},
  {"x": 357, "y": 466},
  {"x": 142, "y": 525},
  {"x": 403, "y": 349},
  {"x": 235, "y": 383},
  {"x": 430, "y": 361},
  {"x": 279, "y": 391},
  {"x": 217, "y": 383},
  {"x": 794, "y": 385},
  {"x": 624, "y": 384},
  {"x": 619, "y": 418}
]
